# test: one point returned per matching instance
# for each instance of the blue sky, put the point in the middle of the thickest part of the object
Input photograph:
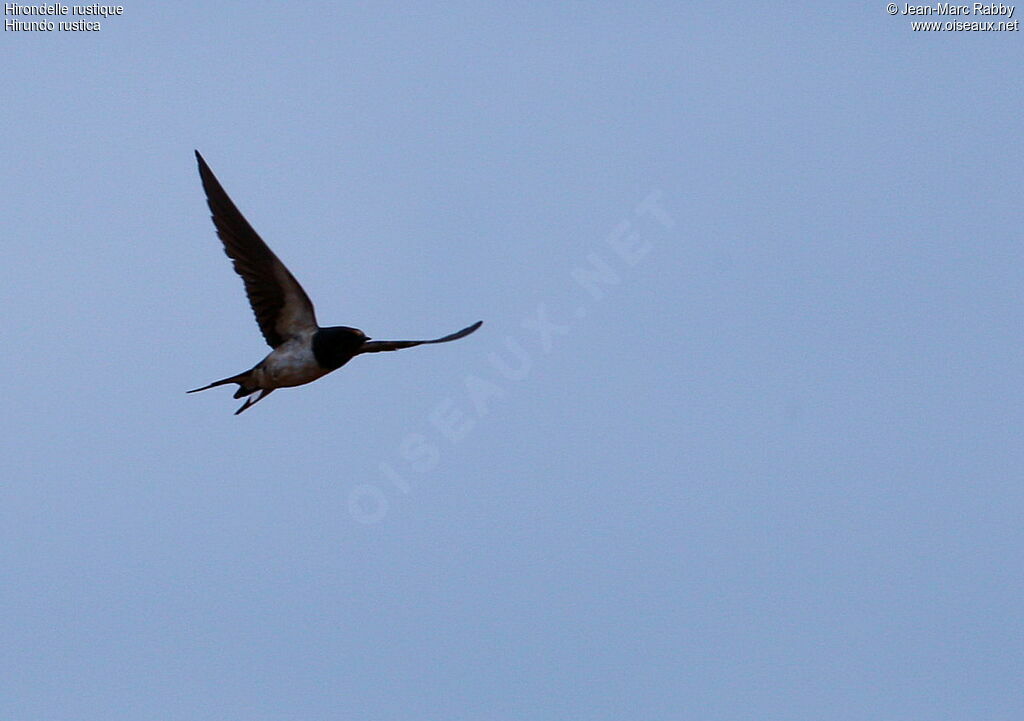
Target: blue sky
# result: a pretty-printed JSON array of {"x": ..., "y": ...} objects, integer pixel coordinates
[{"x": 739, "y": 439}]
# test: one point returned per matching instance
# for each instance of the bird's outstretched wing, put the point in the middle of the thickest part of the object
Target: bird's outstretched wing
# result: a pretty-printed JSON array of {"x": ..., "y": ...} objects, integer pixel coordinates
[
  {"x": 376, "y": 346},
  {"x": 281, "y": 306}
]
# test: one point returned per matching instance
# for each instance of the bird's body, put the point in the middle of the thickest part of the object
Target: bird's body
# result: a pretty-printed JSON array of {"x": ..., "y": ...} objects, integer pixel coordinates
[
  {"x": 302, "y": 350},
  {"x": 292, "y": 363}
]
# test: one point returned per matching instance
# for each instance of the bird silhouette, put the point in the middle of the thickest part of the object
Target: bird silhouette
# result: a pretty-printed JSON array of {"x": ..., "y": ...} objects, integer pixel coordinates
[{"x": 302, "y": 350}]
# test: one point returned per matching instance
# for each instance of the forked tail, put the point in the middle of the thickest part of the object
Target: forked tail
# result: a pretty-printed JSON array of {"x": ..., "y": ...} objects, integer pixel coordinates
[
  {"x": 244, "y": 389},
  {"x": 239, "y": 379}
]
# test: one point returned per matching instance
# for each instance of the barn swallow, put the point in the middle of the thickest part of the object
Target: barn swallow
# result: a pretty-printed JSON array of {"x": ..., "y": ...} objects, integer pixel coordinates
[{"x": 302, "y": 350}]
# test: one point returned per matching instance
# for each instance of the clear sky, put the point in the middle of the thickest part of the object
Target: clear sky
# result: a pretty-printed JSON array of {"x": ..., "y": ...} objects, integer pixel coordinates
[{"x": 740, "y": 437}]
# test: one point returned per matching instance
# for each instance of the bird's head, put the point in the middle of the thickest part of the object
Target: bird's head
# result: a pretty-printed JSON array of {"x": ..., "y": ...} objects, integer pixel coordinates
[
  {"x": 352, "y": 337},
  {"x": 334, "y": 346}
]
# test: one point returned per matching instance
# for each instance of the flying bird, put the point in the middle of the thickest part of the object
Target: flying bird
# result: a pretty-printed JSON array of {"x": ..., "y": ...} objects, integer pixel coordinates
[{"x": 302, "y": 350}]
